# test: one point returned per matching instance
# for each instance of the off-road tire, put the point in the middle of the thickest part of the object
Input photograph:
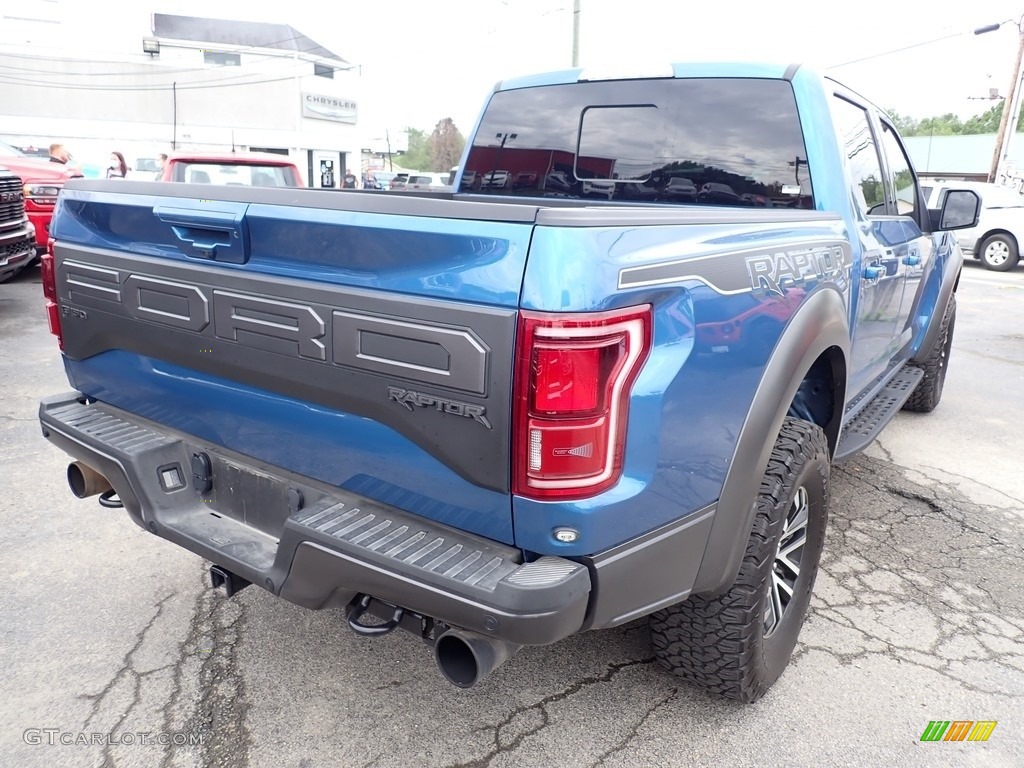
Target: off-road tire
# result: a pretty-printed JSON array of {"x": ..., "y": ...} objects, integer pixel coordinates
[
  {"x": 999, "y": 252},
  {"x": 928, "y": 391},
  {"x": 724, "y": 643}
]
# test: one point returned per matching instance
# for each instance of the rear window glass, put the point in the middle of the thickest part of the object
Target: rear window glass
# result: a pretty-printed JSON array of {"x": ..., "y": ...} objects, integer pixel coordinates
[
  {"x": 234, "y": 175},
  {"x": 675, "y": 141}
]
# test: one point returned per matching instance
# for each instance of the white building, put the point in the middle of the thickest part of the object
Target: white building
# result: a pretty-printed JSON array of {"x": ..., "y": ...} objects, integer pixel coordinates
[{"x": 157, "y": 82}]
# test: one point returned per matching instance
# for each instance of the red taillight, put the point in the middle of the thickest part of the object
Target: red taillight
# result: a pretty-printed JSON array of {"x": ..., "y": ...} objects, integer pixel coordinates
[
  {"x": 566, "y": 379},
  {"x": 573, "y": 376},
  {"x": 50, "y": 292}
]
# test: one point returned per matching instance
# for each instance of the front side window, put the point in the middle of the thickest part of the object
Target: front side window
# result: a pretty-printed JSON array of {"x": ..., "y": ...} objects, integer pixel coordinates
[
  {"x": 902, "y": 181},
  {"x": 858, "y": 144},
  {"x": 727, "y": 141}
]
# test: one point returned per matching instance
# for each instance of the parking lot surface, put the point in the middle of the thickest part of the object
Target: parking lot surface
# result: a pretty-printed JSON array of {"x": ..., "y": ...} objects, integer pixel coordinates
[{"x": 112, "y": 642}]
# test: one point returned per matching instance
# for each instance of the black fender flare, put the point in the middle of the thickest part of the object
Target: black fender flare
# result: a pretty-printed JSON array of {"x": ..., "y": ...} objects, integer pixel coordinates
[
  {"x": 948, "y": 286},
  {"x": 819, "y": 324}
]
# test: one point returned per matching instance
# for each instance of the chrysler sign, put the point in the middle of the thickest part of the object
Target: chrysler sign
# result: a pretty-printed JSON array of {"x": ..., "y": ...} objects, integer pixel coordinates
[{"x": 334, "y": 108}]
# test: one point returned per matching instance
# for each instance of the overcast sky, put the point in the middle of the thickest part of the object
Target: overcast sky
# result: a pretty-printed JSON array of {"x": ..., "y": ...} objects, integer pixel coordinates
[{"x": 423, "y": 61}]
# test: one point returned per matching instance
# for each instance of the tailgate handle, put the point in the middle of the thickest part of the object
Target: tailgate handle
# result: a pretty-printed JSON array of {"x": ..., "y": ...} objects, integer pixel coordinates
[{"x": 217, "y": 234}]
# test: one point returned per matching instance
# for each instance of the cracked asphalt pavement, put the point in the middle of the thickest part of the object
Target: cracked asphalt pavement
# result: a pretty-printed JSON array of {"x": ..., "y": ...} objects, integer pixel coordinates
[{"x": 111, "y": 641}]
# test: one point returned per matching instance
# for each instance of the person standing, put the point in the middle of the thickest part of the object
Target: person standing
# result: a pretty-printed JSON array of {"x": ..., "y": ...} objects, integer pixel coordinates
[
  {"x": 118, "y": 168},
  {"x": 58, "y": 154},
  {"x": 161, "y": 163}
]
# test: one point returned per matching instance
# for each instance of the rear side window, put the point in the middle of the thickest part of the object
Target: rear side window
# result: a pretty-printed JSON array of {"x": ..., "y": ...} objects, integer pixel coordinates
[{"x": 730, "y": 141}]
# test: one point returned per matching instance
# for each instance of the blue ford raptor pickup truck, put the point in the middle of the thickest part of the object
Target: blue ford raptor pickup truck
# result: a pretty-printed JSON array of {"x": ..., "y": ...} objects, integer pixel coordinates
[{"x": 608, "y": 384}]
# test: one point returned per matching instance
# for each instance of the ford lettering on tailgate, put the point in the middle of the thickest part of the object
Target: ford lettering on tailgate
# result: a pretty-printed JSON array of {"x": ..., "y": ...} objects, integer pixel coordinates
[{"x": 455, "y": 358}]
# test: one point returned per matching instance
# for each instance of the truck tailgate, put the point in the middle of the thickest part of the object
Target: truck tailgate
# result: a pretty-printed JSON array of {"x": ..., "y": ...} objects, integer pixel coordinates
[{"x": 361, "y": 340}]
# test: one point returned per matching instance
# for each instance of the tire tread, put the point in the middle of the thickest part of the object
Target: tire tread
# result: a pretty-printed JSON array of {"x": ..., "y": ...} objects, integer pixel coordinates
[{"x": 714, "y": 642}]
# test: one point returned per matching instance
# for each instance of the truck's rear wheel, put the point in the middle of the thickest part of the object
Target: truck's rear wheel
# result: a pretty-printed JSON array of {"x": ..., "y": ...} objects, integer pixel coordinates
[
  {"x": 928, "y": 391},
  {"x": 738, "y": 643}
]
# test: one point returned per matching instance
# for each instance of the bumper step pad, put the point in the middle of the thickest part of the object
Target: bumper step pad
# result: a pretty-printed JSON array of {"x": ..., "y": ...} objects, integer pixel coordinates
[
  {"x": 337, "y": 545},
  {"x": 476, "y": 563}
]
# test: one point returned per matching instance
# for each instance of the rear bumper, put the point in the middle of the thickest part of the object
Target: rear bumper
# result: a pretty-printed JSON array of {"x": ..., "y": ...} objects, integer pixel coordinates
[{"x": 314, "y": 544}]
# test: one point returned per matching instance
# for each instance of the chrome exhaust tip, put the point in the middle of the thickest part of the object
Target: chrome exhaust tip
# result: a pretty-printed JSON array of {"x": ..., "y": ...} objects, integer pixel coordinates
[
  {"x": 465, "y": 658},
  {"x": 84, "y": 481}
]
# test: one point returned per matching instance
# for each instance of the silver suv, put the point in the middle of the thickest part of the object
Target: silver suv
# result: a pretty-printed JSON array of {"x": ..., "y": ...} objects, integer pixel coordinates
[{"x": 997, "y": 238}]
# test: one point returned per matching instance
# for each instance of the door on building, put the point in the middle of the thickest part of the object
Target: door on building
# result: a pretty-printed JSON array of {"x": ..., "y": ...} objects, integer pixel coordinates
[{"x": 326, "y": 169}]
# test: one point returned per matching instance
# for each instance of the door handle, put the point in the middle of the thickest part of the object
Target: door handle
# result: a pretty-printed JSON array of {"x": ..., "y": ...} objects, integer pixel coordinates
[
  {"x": 912, "y": 261},
  {"x": 217, "y": 233},
  {"x": 873, "y": 272}
]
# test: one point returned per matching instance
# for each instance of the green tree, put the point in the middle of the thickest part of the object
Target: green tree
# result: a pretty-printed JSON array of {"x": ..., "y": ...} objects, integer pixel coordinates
[
  {"x": 951, "y": 125},
  {"x": 906, "y": 125},
  {"x": 986, "y": 122},
  {"x": 446, "y": 145},
  {"x": 417, "y": 156},
  {"x": 943, "y": 125}
]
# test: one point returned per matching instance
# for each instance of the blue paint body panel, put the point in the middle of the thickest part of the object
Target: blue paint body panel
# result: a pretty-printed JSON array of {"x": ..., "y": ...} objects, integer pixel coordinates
[{"x": 690, "y": 401}]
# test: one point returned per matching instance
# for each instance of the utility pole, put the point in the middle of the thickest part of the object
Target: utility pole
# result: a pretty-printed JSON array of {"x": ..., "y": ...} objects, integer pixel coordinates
[
  {"x": 1011, "y": 109},
  {"x": 575, "y": 33}
]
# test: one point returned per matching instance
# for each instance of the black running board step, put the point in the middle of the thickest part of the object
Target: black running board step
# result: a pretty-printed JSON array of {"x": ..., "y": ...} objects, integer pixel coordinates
[{"x": 859, "y": 433}]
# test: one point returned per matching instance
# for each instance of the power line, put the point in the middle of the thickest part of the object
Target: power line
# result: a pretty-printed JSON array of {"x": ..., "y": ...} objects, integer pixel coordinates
[
  {"x": 895, "y": 50},
  {"x": 147, "y": 88}
]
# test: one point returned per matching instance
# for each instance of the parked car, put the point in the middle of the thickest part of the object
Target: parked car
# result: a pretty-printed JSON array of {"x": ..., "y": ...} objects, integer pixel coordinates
[
  {"x": 398, "y": 181},
  {"x": 146, "y": 167},
  {"x": 558, "y": 182},
  {"x": 995, "y": 242},
  {"x": 598, "y": 188},
  {"x": 17, "y": 236},
  {"x": 380, "y": 179},
  {"x": 41, "y": 182},
  {"x": 681, "y": 190},
  {"x": 495, "y": 180},
  {"x": 635, "y": 191},
  {"x": 428, "y": 182},
  {"x": 715, "y": 193},
  {"x": 247, "y": 169},
  {"x": 525, "y": 180}
]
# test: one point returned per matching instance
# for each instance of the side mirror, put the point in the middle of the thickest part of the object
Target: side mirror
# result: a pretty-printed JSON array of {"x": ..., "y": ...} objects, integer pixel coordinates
[{"x": 960, "y": 210}]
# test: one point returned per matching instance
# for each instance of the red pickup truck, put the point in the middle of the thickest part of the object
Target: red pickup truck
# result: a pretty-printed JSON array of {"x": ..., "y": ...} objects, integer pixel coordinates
[
  {"x": 248, "y": 169},
  {"x": 42, "y": 181}
]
